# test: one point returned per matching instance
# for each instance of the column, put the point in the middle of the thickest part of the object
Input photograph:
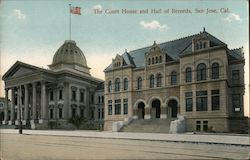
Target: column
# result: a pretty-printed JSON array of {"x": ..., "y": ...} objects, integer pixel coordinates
[
  {"x": 12, "y": 111},
  {"x": 26, "y": 98},
  {"x": 66, "y": 100},
  {"x": 18, "y": 105},
  {"x": 6, "y": 107},
  {"x": 43, "y": 102},
  {"x": 34, "y": 116},
  {"x": 147, "y": 112},
  {"x": 163, "y": 111}
]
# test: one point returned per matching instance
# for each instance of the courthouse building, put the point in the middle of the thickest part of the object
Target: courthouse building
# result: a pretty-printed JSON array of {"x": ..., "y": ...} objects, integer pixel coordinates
[
  {"x": 63, "y": 91},
  {"x": 196, "y": 76}
]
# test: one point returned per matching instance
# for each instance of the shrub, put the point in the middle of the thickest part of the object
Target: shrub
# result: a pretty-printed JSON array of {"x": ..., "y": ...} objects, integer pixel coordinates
[{"x": 77, "y": 121}]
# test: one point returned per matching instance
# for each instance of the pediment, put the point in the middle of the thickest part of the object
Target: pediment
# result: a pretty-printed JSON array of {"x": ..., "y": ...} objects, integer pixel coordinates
[{"x": 19, "y": 69}]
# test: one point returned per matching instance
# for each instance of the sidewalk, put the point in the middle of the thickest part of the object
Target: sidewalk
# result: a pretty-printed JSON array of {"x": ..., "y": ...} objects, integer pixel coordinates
[{"x": 243, "y": 140}]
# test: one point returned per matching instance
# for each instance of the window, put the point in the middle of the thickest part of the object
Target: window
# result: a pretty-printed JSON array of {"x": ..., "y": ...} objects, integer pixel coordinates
[
  {"x": 159, "y": 80},
  {"x": 125, "y": 84},
  {"x": 102, "y": 99},
  {"x": 200, "y": 45},
  {"x": 117, "y": 85},
  {"x": 149, "y": 61},
  {"x": 74, "y": 95},
  {"x": 156, "y": 60},
  {"x": 201, "y": 101},
  {"x": 92, "y": 113},
  {"x": 60, "y": 94},
  {"x": 215, "y": 71},
  {"x": 60, "y": 113},
  {"x": 215, "y": 99},
  {"x": 201, "y": 72},
  {"x": 125, "y": 106},
  {"x": 153, "y": 60},
  {"x": 205, "y": 126},
  {"x": 92, "y": 99},
  {"x": 73, "y": 112},
  {"x": 152, "y": 79},
  {"x": 204, "y": 45},
  {"x": 102, "y": 113},
  {"x": 117, "y": 106},
  {"x": 198, "y": 125},
  {"x": 51, "y": 95},
  {"x": 99, "y": 99},
  {"x": 160, "y": 59},
  {"x": 109, "y": 86},
  {"x": 189, "y": 101},
  {"x": 109, "y": 107},
  {"x": 188, "y": 74},
  {"x": 82, "y": 96},
  {"x": 139, "y": 83},
  {"x": 236, "y": 76},
  {"x": 99, "y": 113},
  {"x": 173, "y": 78},
  {"x": 51, "y": 113},
  {"x": 236, "y": 101},
  {"x": 197, "y": 46},
  {"x": 82, "y": 112}
]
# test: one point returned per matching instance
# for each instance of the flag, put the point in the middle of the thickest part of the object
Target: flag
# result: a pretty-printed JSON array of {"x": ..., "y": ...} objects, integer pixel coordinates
[{"x": 75, "y": 10}]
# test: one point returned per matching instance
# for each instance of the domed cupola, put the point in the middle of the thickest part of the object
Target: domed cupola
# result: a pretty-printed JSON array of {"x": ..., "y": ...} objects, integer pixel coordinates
[{"x": 69, "y": 56}]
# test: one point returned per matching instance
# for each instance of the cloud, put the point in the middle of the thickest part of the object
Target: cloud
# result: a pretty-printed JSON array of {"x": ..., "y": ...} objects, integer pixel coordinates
[
  {"x": 233, "y": 17},
  {"x": 153, "y": 25},
  {"x": 18, "y": 14},
  {"x": 97, "y": 7}
]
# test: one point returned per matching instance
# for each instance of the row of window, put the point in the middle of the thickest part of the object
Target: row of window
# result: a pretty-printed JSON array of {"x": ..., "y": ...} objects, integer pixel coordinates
[
  {"x": 201, "y": 100},
  {"x": 60, "y": 96},
  {"x": 201, "y": 45},
  {"x": 201, "y": 75},
  {"x": 118, "y": 107},
  {"x": 152, "y": 79},
  {"x": 155, "y": 60},
  {"x": 202, "y": 72}
]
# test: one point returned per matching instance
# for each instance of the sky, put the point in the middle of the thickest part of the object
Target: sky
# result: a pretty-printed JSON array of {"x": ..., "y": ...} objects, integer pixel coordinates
[{"x": 32, "y": 31}]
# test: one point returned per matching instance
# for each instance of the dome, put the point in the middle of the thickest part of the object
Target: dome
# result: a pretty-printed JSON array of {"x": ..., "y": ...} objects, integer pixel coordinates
[
  {"x": 70, "y": 57},
  {"x": 69, "y": 53}
]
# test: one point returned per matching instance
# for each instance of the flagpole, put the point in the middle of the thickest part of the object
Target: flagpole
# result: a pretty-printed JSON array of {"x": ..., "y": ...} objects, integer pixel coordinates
[{"x": 69, "y": 21}]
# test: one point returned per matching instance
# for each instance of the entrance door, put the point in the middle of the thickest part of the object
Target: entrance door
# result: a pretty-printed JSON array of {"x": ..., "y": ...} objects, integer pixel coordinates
[
  {"x": 156, "y": 109},
  {"x": 141, "y": 110},
  {"x": 173, "y": 106}
]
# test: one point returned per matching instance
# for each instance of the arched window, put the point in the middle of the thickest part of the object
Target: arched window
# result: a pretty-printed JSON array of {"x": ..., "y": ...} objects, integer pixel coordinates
[
  {"x": 173, "y": 78},
  {"x": 201, "y": 72},
  {"x": 125, "y": 84},
  {"x": 139, "y": 83},
  {"x": 160, "y": 59},
  {"x": 204, "y": 44},
  {"x": 156, "y": 60},
  {"x": 159, "y": 80},
  {"x": 215, "y": 70},
  {"x": 153, "y": 60},
  {"x": 110, "y": 86},
  {"x": 197, "y": 46},
  {"x": 200, "y": 45},
  {"x": 152, "y": 79},
  {"x": 188, "y": 74},
  {"x": 117, "y": 85},
  {"x": 149, "y": 61}
]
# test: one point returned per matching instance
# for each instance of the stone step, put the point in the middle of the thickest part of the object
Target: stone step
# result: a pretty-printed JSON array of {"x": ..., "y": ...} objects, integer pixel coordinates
[{"x": 148, "y": 126}]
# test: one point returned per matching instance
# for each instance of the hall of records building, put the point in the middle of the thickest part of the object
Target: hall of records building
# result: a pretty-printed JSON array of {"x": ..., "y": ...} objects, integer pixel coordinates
[
  {"x": 63, "y": 91},
  {"x": 197, "y": 77}
]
